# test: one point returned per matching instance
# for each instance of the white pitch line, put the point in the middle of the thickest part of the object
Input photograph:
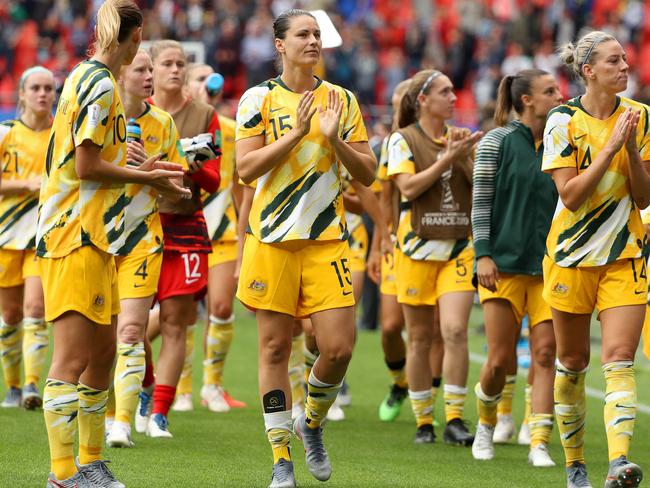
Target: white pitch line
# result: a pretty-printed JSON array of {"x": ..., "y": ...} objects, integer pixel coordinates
[{"x": 591, "y": 392}]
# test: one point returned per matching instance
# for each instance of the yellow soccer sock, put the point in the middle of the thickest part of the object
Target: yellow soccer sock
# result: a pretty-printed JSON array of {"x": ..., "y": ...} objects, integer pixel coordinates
[
  {"x": 620, "y": 406},
  {"x": 528, "y": 405},
  {"x": 92, "y": 407},
  {"x": 454, "y": 397},
  {"x": 60, "y": 407},
  {"x": 505, "y": 404},
  {"x": 129, "y": 373},
  {"x": 397, "y": 372},
  {"x": 110, "y": 406},
  {"x": 11, "y": 337},
  {"x": 35, "y": 341},
  {"x": 570, "y": 411},
  {"x": 486, "y": 406},
  {"x": 220, "y": 334},
  {"x": 278, "y": 431},
  {"x": 310, "y": 359},
  {"x": 422, "y": 405},
  {"x": 320, "y": 397},
  {"x": 541, "y": 425},
  {"x": 296, "y": 369},
  {"x": 184, "y": 386}
]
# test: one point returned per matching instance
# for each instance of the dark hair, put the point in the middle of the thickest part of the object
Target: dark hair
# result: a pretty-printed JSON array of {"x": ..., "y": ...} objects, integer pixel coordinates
[
  {"x": 282, "y": 21},
  {"x": 511, "y": 89},
  {"x": 421, "y": 83},
  {"x": 116, "y": 20}
]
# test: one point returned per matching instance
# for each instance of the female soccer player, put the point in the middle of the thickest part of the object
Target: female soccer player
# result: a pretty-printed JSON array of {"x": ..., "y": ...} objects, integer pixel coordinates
[
  {"x": 512, "y": 208},
  {"x": 23, "y": 143},
  {"x": 431, "y": 165},
  {"x": 139, "y": 259},
  {"x": 296, "y": 258},
  {"x": 597, "y": 148},
  {"x": 80, "y": 228},
  {"x": 184, "y": 272}
]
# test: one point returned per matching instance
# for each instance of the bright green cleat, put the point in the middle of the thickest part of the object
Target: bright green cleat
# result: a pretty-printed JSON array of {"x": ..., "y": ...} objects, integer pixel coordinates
[{"x": 391, "y": 407}]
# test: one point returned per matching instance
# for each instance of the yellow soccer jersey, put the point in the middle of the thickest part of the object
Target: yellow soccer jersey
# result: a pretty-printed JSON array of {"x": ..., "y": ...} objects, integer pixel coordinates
[
  {"x": 607, "y": 227},
  {"x": 400, "y": 160},
  {"x": 382, "y": 168},
  {"x": 75, "y": 212},
  {"x": 142, "y": 229},
  {"x": 219, "y": 207},
  {"x": 301, "y": 197},
  {"x": 22, "y": 152}
]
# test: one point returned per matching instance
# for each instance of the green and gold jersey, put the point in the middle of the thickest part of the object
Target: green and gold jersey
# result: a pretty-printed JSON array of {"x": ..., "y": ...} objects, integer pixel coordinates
[
  {"x": 607, "y": 226},
  {"x": 75, "y": 212},
  {"x": 142, "y": 230},
  {"x": 301, "y": 197},
  {"x": 400, "y": 160},
  {"x": 219, "y": 207},
  {"x": 22, "y": 152},
  {"x": 382, "y": 167}
]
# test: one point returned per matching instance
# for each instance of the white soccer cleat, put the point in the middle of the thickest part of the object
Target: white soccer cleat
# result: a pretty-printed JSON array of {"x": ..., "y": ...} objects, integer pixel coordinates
[
  {"x": 119, "y": 435},
  {"x": 524, "y": 435},
  {"x": 335, "y": 413},
  {"x": 212, "y": 396},
  {"x": 183, "y": 403},
  {"x": 504, "y": 430},
  {"x": 158, "y": 427},
  {"x": 483, "y": 447},
  {"x": 143, "y": 412},
  {"x": 539, "y": 457}
]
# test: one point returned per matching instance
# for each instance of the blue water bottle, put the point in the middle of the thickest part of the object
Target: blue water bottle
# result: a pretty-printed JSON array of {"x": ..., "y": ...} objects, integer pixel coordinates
[{"x": 133, "y": 134}]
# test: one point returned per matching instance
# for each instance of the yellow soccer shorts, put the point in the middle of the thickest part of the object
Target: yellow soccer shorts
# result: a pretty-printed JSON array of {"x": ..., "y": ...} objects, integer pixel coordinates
[
  {"x": 84, "y": 281},
  {"x": 388, "y": 285},
  {"x": 581, "y": 290},
  {"x": 524, "y": 294},
  {"x": 297, "y": 278},
  {"x": 222, "y": 252},
  {"x": 358, "y": 249},
  {"x": 138, "y": 274},
  {"x": 423, "y": 282},
  {"x": 16, "y": 265}
]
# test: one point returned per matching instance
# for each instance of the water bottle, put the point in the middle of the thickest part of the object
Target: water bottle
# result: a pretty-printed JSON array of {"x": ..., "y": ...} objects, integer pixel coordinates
[
  {"x": 133, "y": 134},
  {"x": 214, "y": 84}
]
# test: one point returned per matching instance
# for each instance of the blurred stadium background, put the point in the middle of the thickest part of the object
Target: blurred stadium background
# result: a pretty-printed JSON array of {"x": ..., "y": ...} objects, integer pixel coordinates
[{"x": 476, "y": 42}]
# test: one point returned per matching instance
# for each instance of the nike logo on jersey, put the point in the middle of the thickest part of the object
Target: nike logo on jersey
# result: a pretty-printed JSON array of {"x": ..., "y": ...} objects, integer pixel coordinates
[
  {"x": 137, "y": 286},
  {"x": 639, "y": 292},
  {"x": 579, "y": 137},
  {"x": 346, "y": 293},
  {"x": 273, "y": 110}
]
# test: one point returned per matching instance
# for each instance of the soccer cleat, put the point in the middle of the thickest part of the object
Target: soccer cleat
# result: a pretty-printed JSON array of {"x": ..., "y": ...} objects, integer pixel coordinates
[
  {"x": 344, "y": 397},
  {"x": 505, "y": 429},
  {"x": 457, "y": 433},
  {"x": 233, "y": 403},
  {"x": 13, "y": 398},
  {"x": 483, "y": 447},
  {"x": 98, "y": 474},
  {"x": 158, "y": 426},
  {"x": 183, "y": 403},
  {"x": 391, "y": 407},
  {"x": 318, "y": 462},
  {"x": 119, "y": 435},
  {"x": 143, "y": 412},
  {"x": 212, "y": 396},
  {"x": 623, "y": 474},
  {"x": 297, "y": 410},
  {"x": 539, "y": 457},
  {"x": 76, "y": 481},
  {"x": 335, "y": 413},
  {"x": 32, "y": 397},
  {"x": 283, "y": 475},
  {"x": 524, "y": 435},
  {"x": 425, "y": 434},
  {"x": 576, "y": 476}
]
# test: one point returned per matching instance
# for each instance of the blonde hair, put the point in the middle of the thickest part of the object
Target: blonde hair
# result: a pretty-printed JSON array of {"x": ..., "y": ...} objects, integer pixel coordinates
[
  {"x": 575, "y": 56},
  {"x": 159, "y": 46},
  {"x": 20, "y": 108},
  {"x": 116, "y": 19}
]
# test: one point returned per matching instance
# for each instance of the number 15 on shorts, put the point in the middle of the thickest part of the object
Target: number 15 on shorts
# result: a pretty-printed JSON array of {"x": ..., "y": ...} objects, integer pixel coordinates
[{"x": 342, "y": 273}]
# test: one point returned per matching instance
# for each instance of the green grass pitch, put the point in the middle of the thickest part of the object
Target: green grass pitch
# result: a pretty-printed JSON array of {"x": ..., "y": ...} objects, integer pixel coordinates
[{"x": 230, "y": 450}]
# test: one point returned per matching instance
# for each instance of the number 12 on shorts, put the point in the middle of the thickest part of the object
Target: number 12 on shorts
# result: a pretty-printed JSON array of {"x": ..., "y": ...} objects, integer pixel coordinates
[
  {"x": 192, "y": 263},
  {"x": 345, "y": 272}
]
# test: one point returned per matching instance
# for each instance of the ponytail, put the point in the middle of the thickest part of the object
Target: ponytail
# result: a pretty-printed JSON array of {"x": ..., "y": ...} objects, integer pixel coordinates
[
  {"x": 504, "y": 101},
  {"x": 116, "y": 20}
]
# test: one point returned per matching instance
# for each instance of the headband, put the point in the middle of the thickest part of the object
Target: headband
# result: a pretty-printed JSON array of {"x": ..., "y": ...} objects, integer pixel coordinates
[
  {"x": 591, "y": 48},
  {"x": 30, "y": 71},
  {"x": 427, "y": 83}
]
